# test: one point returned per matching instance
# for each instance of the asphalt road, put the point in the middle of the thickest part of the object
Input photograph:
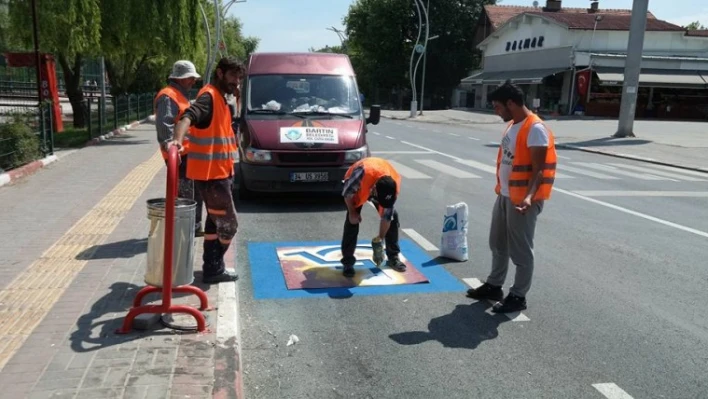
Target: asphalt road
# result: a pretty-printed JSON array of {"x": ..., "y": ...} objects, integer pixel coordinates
[{"x": 617, "y": 300}]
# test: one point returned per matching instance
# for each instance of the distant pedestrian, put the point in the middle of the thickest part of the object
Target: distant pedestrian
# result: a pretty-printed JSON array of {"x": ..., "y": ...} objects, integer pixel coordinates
[
  {"x": 212, "y": 149},
  {"x": 169, "y": 106},
  {"x": 526, "y": 166},
  {"x": 372, "y": 179}
]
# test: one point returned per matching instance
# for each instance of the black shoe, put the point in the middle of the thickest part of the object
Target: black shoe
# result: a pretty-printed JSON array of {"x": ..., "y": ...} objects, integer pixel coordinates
[
  {"x": 512, "y": 303},
  {"x": 348, "y": 271},
  {"x": 224, "y": 277},
  {"x": 396, "y": 265},
  {"x": 486, "y": 291}
]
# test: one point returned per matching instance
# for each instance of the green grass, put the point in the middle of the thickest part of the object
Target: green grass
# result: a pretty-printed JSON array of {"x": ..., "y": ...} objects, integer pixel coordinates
[{"x": 71, "y": 138}]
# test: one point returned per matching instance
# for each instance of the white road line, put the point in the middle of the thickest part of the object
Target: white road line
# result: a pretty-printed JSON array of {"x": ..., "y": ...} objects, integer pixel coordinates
[
  {"x": 376, "y": 133},
  {"x": 563, "y": 157},
  {"x": 612, "y": 391},
  {"x": 611, "y": 193},
  {"x": 407, "y": 172},
  {"x": 453, "y": 134},
  {"x": 390, "y": 138},
  {"x": 677, "y": 170},
  {"x": 635, "y": 213},
  {"x": 420, "y": 240},
  {"x": 478, "y": 165},
  {"x": 658, "y": 172},
  {"x": 610, "y": 169},
  {"x": 587, "y": 172},
  {"x": 441, "y": 167},
  {"x": 598, "y": 202},
  {"x": 401, "y": 152},
  {"x": 473, "y": 138},
  {"x": 513, "y": 316},
  {"x": 493, "y": 143}
]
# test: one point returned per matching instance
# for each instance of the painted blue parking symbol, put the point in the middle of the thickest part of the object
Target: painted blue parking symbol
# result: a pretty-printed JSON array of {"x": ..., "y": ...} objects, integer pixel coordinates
[{"x": 270, "y": 282}]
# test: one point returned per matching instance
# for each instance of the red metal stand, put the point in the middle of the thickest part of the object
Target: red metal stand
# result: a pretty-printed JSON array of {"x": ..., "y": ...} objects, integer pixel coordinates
[{"x": 166, "y": 306}]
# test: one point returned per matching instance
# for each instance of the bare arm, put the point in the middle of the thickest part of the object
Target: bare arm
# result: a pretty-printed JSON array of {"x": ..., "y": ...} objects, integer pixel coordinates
[{"x": 538, "y": 160}]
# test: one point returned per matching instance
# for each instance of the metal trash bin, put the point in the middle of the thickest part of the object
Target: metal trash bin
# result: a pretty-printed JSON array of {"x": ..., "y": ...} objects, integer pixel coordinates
[{"x": 183, "y": 243}]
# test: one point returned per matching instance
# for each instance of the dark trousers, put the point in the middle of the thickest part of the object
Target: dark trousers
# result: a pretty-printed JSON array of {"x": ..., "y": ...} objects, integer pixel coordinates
[
  {"x": 351, "y": 235},
  {"x": 221, "y": 224},
  {"x": 186, "y": 189}
]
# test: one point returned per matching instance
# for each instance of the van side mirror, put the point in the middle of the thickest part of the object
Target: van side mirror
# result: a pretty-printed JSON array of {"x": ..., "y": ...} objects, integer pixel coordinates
[{"x": 374, "y": 115}]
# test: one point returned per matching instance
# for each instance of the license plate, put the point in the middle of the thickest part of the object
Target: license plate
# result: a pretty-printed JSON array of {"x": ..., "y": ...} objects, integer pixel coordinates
[{"x": 309, "y": 176}]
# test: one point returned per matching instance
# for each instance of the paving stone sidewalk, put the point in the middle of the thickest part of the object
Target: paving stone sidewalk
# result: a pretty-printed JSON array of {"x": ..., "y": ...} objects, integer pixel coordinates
[
  {"x": 674, "y": 143},
  {"x": 74, "y": 351}
]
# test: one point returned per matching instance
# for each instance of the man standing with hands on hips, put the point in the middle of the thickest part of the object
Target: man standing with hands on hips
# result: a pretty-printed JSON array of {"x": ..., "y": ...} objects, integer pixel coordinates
[
  {"x": 526, "y": 168},
  {"x": 212, "y": 151},
  {"x": 371, "y": 179}
]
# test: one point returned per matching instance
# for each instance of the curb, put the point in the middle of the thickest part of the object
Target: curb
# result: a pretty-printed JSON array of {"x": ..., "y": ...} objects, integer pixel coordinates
[
  {"x": 228, "y": 366},
  {"x": 453, "y": 122},
  {"x": 25, "y": 170},
  {"x": 31, "y": 168},
  {"x": 632, "y": 157}
]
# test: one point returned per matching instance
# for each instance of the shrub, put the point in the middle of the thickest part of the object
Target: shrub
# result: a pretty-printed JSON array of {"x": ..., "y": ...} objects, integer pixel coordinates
[{"x": 19, "y": 144}]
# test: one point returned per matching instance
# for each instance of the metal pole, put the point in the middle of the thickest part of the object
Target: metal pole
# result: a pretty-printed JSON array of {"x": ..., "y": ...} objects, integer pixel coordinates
[
  {"x": 414, "y": 96},
  {"x": 103, "y": 90},
  {"x": 425, "y": 57},
  {"x": 217, "y": 16},
  {"x": 207, "y": 74},
  {"x": 37, "y": 60},
  {"x": 632, "y": 68}
]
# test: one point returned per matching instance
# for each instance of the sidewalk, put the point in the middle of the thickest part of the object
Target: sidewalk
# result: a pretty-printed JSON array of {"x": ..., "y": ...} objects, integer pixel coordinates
[
  {"x": 679, "y": 144},
  {"x": 69, "y": 277}
]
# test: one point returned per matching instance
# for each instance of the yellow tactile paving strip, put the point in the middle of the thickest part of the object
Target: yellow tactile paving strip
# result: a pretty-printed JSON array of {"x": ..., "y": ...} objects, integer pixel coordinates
[{"x": 28, "y": 298}]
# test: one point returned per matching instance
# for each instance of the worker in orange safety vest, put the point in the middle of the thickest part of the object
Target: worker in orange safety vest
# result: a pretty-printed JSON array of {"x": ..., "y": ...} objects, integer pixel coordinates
[
  {"x": 169, "y": 105},
  {"x": 375, "y": 180},
  {"x": 526, "y": 169},
  {"x": 212, "y": 152}
]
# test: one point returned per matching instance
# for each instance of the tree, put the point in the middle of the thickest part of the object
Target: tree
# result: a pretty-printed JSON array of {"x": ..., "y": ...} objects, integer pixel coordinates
[
  {"x": 70, "y": 29},
  {"x": 328, "y": 49},
  {"x": 382, "y": 33},
  {"x": 695, "y": 26},
  {"x": 237, "y": 45}
]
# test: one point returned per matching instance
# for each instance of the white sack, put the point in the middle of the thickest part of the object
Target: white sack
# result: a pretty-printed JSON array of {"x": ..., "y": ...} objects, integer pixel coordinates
[{"x": 453, "y": 243}]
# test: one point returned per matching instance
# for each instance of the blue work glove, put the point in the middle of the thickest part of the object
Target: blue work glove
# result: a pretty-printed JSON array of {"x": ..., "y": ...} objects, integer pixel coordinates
[{"x": 377, "y": 246}]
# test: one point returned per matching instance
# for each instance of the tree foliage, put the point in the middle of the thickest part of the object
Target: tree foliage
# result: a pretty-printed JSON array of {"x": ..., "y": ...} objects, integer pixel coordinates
[
  {"x": 382, "y": 33},
  {"x": 696, "y": 25}
]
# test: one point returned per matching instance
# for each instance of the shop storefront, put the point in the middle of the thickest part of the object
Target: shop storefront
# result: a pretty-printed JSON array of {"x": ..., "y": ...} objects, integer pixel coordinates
[{"x": 573, "y": 62}]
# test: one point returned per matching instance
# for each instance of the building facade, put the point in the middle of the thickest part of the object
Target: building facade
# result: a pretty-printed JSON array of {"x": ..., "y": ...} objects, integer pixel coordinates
[{"x": 571, "y": 61}]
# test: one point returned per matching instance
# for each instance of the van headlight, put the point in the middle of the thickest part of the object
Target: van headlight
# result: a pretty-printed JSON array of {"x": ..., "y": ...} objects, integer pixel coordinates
[
  {"x": 355, "y": 155},
  {"x": 258, "y": 156}
]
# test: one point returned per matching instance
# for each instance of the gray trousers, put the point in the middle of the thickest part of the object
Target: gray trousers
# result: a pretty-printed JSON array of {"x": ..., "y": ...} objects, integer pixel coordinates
[{"x": 511, "y": 236}]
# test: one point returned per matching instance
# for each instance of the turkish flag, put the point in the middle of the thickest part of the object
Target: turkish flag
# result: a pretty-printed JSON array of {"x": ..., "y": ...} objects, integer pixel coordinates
[{"x": 583, "y": 81}]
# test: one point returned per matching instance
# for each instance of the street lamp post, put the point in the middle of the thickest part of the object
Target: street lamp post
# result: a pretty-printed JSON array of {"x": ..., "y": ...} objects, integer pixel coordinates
[
  {"x": 422, "y": 84},
  {"x": 417, "y": 48}
]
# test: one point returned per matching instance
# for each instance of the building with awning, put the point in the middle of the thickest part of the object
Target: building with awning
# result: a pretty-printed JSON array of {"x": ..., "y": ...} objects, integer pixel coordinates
[{"x": 571, "y": 60}]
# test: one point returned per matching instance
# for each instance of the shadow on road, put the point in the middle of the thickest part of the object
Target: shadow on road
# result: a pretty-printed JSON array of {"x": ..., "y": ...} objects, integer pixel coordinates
[
  {"x": 466, "y": 327},
  {"x": 284, "y": 203},
  {"x": 119, "y": 249},
  {"x": 609, "y": 142}
]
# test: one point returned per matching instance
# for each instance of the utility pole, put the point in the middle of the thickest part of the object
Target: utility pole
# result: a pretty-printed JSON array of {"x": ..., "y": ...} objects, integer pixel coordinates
[
  {"x": 37, "y": 60},
  {"x": 632, "y": 68},
  {"x": 102, "y": 102},
  {"x": 425, "y": 56}
]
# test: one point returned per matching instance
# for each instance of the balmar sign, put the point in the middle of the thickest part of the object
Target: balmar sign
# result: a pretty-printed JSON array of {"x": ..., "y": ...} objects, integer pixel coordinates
[{"x": 315, "y": 135}]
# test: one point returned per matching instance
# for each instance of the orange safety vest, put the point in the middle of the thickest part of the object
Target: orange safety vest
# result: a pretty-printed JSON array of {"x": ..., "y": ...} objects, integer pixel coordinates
[
  {"x": 374, "y": 169},
  {"x": 182, "y": 104},
  {"x": 520, "y": 177},
  {"x": 212, "y": 151}
]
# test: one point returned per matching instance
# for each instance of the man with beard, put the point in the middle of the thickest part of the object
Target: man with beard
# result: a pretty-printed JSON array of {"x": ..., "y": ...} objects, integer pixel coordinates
[
  {"x": 212, "y": 151},
  {"x": 526, "y": 169}
]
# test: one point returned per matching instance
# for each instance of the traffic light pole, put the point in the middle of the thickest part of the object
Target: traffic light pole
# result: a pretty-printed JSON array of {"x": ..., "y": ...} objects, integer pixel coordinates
[{"x": 632, "y": 68}]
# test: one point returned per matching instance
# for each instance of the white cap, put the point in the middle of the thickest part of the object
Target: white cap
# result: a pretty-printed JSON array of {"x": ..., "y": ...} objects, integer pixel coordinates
[{"x": 184, "y": 69}]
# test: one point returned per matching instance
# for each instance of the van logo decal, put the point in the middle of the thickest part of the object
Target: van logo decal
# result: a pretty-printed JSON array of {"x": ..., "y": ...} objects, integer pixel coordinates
[{"x": 293, "y": 134}]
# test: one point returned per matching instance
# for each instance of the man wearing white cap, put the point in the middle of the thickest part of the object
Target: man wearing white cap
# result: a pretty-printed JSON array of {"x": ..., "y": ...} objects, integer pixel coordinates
[{"x": 170, "y": 103}]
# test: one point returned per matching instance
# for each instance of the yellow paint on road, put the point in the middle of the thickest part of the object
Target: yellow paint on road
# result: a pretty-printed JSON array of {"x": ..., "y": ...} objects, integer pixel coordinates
[{"x": 30, "y": 297}]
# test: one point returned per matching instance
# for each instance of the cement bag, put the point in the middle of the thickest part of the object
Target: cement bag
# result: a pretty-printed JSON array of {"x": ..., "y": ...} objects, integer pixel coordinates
[{"x": 454, "y": 233}]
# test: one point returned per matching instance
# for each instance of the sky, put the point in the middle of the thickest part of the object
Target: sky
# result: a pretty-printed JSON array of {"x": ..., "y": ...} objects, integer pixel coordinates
[{"x": 298, "y": 25}]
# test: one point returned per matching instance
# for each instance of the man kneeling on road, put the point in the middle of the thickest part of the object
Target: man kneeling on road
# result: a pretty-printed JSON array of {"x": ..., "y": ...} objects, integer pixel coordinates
[
  {"x": 375, "y": 180},
  {"x": 212, "y": 151},
  {"x": 526, "y": 169}
]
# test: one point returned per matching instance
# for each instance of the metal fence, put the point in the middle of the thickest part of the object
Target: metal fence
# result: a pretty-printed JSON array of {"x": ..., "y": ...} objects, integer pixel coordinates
[
  {"x": 118, "y": 111},
  {"x": 25, "y": 134}
]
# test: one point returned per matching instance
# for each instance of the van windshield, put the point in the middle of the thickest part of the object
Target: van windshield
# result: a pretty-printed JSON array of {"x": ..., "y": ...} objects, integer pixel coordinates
[{"x": 302, "y": 94}]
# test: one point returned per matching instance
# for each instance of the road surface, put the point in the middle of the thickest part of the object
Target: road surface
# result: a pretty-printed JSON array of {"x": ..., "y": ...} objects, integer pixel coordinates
[{"x": 616, "y": 309}]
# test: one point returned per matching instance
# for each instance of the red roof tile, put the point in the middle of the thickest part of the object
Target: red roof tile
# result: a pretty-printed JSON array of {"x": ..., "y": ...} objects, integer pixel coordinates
[
  {"x": 499, "y": 15},
  {"x": 608, "y": 22}
]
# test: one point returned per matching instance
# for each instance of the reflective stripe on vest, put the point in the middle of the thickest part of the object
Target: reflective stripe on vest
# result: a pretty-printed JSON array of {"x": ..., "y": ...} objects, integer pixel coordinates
[
  {"x": 374, "y": 169},
  {"x": 521, "y": 170},
  {"x": 212, "y": 150},
  {"x": 182, "y": 105}
]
